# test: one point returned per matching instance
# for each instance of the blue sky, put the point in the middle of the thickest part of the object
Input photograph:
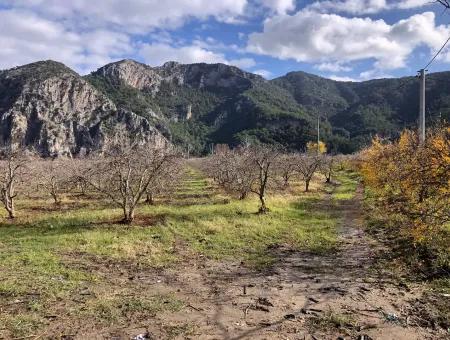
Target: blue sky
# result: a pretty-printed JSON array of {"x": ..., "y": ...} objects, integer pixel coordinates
[{"x": 340, "y": 39}]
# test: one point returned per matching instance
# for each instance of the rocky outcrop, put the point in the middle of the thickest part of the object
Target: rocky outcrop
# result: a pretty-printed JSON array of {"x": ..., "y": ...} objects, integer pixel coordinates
[
  {"x": 47, "y": 106},
  {"x": 131, "y": 73},
  {"x": 199, "y": 76}
]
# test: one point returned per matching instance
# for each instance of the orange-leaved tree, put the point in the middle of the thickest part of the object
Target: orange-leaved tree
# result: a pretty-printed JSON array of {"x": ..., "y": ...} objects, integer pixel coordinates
[{"x": 412, "y": 181}]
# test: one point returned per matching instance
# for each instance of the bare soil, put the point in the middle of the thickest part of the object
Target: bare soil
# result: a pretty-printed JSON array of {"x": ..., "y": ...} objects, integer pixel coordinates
[{"x": 342, "y": 295}]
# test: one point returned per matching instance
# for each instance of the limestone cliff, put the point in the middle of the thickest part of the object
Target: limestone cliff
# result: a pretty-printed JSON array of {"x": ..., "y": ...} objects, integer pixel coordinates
[
  {"x": 199, "y": 76},
  {"x": 51, "y": 108}
]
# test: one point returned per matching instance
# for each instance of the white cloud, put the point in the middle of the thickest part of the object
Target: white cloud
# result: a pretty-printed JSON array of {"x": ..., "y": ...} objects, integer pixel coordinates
[
  {"x": 156, "y": 54},
  {"x": 359, "y": 7},
  {"x": 133, "y": 15},
  {"x": 27, "y": 37},
  {"x": 86, "y": 39},
  {"x": 363, "y": 76},
  {"x": 243, "y": 62},
  {"x": 333, "y": 67},
  {"x": 407, "y": 4},
  {"x": 308, "y": 36},
  {"x": 279, "y": 6},
  {"x": 373, "y": 74},
  {"x": 342, "y": 78},
  {"x": 264, "y": 73},
  {"x": 350, "y": 6}
]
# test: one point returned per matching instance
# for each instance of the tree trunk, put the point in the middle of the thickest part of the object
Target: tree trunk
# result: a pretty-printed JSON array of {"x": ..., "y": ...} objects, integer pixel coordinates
[
  {"x": 263, "y": 208},
  {"x": 150, "y": 200},
  {"x": 82, "y": 186},
  {"x": 128, "y": 215},
  {"x": 243, "y": 196},
  {"x": 307, "y": 185},
  {"x": 328, "y": 178},
  {"x": 8, "y": 203},
  {"x": 286, "y": 182},
  {"x": 55, "y": 197},
  {"x": 131, "y": 215},
  {"x": 10, "y": 208}
]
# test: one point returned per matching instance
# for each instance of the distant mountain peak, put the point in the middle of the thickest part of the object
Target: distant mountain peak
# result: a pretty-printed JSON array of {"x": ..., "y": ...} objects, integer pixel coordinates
[
  {"x": 171, "y": 64},
  {"x": 39, "y": 70}
]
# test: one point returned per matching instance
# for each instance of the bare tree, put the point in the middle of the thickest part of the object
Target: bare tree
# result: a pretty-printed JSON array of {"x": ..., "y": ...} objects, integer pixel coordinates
[
  {"x": 124, "y": 173},
  {"x": 54, "y": 176},
  {"x": 326, "y": 166},
  {"x": 166, "y": 183},
  {"x": 307, "y": 166},
  {"x": 13, "y": 169},
  {"x": 231, "y": 170},
  {"x": 287, "y": 168},
  {"x": 263, "y": 158},
  {"x": 245, "y": 169}
]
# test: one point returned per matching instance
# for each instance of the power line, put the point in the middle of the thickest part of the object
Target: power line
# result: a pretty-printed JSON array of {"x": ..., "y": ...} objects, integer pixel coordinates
[{"x": 435, "y": 56}]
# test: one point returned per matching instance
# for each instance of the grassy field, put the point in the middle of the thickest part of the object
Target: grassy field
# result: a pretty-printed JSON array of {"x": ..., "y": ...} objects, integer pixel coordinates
[{"x": 53, "y": 259}]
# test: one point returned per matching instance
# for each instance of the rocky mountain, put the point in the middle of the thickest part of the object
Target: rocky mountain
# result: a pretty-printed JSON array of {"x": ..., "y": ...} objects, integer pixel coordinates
[
  {"x": 198, "y": 105},
  {"x": 50, "y": 107}
]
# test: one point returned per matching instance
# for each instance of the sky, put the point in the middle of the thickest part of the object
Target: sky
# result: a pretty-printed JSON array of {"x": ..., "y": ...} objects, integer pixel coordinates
[{"x": 351, "y": 40}]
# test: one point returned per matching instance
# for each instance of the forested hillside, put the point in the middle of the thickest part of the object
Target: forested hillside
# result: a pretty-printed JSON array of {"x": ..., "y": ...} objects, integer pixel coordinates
[
  {"x": 355, "y": 112},
  {"x": 196, "y": 106},
  {"x": 227, "y": 104}
]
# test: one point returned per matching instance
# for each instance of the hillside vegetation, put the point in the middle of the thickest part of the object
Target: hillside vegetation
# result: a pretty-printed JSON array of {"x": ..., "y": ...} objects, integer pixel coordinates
[
  {"x": 281, "y": 111},
  {"x": 226, "y": 105}
]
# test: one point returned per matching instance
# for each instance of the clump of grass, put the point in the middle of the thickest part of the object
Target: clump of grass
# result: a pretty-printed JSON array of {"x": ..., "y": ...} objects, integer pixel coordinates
[
  {"x": 181, "y": 330},
  {"x": 110, "y": 309},
  {"x": 19, "y": 325},
  {"x": 332, "y": 319},
  {"x": 38, "y": 271}
]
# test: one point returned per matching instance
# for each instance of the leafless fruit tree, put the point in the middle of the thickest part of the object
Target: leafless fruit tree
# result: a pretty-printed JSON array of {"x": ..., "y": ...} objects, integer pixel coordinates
[
  {"x": 245, "y": 169},
  {"x": 287, "y": 168},
  {"x": 263, "y": 159},
  {"x": 327, "y": 166},
  {"x": 231, "y": 170},
  {"x": 125, "y": 173},
  {"x": 13, "y": 171},
  {"x": 307, "y": 165},
  {"x": 54, "y": 175},
  {"x": 166, "y": 183}
]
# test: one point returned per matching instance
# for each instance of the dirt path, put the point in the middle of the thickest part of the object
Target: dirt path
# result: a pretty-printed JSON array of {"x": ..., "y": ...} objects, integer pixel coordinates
[{"x": 304, "y": 296}]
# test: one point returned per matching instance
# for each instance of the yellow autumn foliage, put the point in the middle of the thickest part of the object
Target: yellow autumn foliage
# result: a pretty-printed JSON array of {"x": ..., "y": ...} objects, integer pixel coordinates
[
  {"x": 311, "y": 147},
  {"x": 412, "y": 181}
]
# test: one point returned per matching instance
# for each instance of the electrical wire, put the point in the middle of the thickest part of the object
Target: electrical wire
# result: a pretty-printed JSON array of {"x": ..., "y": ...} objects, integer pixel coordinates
[{"x": 438, "y": 52}]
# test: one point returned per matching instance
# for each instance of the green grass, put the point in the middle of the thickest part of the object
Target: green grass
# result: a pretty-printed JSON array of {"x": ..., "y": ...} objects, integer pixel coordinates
[
  {"x": 222, "y": 231},
  {"x": 20, "y": 325},
  {"x": 348, "y": 182},
  {"x": 332, "y": 319},
  {"x": 41, "y": 251},
  {"x": 110, "y": 309}
]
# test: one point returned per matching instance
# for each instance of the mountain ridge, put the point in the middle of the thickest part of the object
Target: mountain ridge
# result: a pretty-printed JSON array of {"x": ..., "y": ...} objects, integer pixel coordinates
[
  {"x": 48, "y": 106},
  {"x": 199, "y": 105}
]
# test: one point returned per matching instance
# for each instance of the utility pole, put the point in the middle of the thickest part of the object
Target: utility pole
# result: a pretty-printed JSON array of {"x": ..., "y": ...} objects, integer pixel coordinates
[
  {"x": 318, "y": 135},
  {"x": 422, "y": 107}
]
